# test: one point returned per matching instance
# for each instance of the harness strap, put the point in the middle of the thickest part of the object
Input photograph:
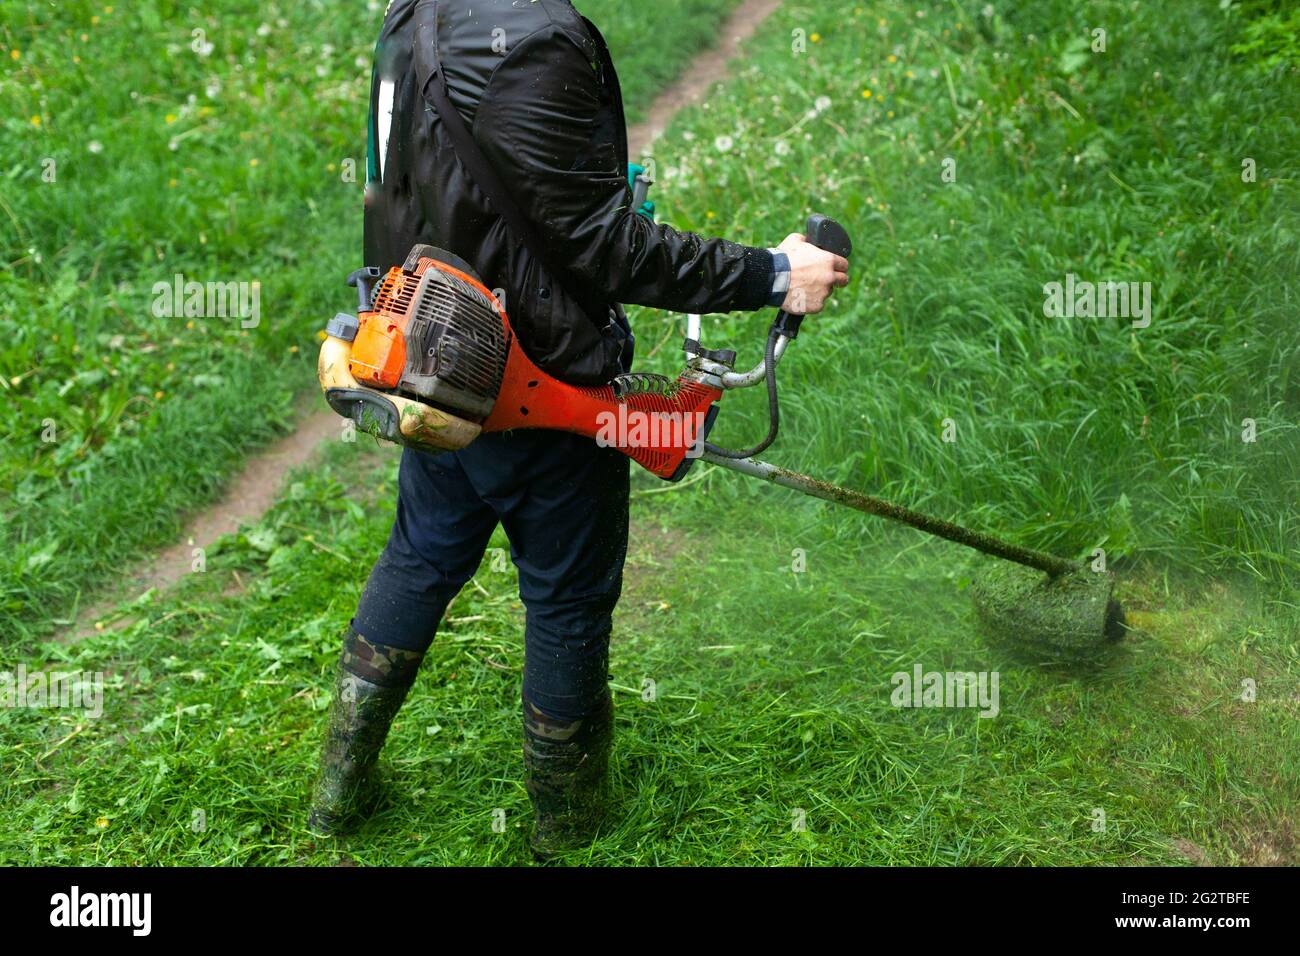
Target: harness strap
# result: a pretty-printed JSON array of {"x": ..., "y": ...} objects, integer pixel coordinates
[{"x": 433, "y": 87}]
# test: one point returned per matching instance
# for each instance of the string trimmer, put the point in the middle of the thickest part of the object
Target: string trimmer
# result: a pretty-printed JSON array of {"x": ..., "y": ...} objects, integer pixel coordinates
[{"x": 430, "y": 361}]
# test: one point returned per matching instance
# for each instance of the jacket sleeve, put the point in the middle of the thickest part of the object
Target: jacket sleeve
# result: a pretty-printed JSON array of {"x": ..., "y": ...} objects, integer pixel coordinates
[{"x": 540, "y": 123}]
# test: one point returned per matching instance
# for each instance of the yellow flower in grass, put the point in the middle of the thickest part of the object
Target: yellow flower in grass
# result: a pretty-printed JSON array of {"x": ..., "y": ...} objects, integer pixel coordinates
[
  {"x": 891, "y": 58},
  {"x": 866, "y": 94},
  {"x": 816, "y": 38},
  {"x": 36, "y": 121},
  {"x": 170, "y": 118},
  {"x": 101, "y": 822},
  {"x": 15, "y": 54}
]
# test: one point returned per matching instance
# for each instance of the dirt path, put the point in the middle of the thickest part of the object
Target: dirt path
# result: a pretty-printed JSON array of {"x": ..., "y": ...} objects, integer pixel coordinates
[
  {"x": 705, "y": 70},
  {"x": 253, "y": 490}
]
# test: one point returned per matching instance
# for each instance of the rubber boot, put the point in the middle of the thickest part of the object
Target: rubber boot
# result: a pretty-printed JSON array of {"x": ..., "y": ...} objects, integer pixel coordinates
[
  {"x": 373, "y": 680},
  {"x": 566, "y": 765}
]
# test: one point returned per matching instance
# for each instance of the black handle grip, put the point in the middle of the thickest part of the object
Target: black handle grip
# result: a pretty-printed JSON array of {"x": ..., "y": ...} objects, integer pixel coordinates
[{"x": 825, "y": 233}]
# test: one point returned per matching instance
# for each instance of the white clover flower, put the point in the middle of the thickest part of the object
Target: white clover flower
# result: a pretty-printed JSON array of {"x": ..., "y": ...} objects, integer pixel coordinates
[
  {"x": 264, "y": 29},
  {"x": 95, "y": 146},
  {"x": 823, "y": 103},
  {"x": 723, "y": 144},
  {"x": 782, "y": 148}
]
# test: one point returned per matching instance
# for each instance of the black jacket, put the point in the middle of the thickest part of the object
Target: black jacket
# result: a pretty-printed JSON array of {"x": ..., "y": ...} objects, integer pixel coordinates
[{"x": 534, "y": 83}]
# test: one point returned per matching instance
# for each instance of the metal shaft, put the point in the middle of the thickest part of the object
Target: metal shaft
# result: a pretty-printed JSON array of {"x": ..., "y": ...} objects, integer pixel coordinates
[{"x": 894, "y": 512}]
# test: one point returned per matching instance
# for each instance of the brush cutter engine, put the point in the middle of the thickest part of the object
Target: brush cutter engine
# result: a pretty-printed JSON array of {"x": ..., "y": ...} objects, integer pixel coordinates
[{"x": 433, "y": 334}]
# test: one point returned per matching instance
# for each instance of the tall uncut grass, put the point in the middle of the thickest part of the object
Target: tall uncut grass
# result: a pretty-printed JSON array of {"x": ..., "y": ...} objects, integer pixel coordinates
[{"x": 1071, "y": 433}]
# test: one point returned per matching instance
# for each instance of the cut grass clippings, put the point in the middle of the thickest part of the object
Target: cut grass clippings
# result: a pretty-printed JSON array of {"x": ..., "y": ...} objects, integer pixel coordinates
[{"x": 742, "y": 710}]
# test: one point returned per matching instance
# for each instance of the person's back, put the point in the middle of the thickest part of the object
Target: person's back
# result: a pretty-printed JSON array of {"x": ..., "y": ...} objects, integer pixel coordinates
[{"x": 536, "y": 87}]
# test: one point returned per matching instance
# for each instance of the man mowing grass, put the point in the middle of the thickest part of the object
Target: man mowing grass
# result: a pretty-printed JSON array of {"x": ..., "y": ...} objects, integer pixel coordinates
[{"x": 535, "y": 84}]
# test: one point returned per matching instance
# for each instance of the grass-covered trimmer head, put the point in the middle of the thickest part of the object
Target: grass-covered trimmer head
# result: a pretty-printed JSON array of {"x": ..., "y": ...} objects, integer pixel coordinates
[{"x": 1069, "y": 616}]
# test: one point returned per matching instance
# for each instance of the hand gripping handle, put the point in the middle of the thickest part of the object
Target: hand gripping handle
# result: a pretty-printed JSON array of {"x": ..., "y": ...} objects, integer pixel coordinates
[{"x": 824, "y": 233}]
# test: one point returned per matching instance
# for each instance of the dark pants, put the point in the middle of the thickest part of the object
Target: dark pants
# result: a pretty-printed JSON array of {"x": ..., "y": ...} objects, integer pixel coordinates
[{"x": 563, "y": 502}]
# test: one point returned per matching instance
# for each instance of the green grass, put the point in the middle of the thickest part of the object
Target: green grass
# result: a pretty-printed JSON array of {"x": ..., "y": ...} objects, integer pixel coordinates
[
  {"x": 225, "y": 166},
  {"x": 772, "y": 695}
]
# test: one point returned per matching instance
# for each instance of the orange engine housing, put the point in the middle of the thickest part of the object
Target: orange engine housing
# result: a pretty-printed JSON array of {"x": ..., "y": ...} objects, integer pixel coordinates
[{"x": 658, "y": 422}]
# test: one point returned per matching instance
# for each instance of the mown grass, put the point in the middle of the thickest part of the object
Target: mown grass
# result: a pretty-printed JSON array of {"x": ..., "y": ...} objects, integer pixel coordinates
[
  {"x": 771, "y": 696},
  {"x": 137, "y": 149}
]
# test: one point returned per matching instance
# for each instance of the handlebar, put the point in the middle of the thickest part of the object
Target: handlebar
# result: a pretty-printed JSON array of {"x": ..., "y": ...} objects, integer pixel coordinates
[{"x": 824, "y": 233}]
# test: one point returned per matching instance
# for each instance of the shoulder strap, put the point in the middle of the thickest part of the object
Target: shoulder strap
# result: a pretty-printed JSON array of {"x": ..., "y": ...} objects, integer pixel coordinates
[{"x": 433, "y": 86}]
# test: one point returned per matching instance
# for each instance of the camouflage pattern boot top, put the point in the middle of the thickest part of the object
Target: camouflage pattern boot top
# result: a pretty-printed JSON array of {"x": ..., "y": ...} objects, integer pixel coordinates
[
  {"x": 565, "y": 770},
  {"x": 373, "y": 680}
]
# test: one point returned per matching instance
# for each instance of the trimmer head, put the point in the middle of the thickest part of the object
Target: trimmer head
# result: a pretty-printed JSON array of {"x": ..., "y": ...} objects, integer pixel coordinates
[{"x": 1069, "y": 616}]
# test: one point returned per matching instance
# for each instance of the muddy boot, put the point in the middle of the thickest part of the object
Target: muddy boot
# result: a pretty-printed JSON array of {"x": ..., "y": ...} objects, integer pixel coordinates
[
  {"x": 372, "y": 683},
  {"x": 565, "y": 770}
]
